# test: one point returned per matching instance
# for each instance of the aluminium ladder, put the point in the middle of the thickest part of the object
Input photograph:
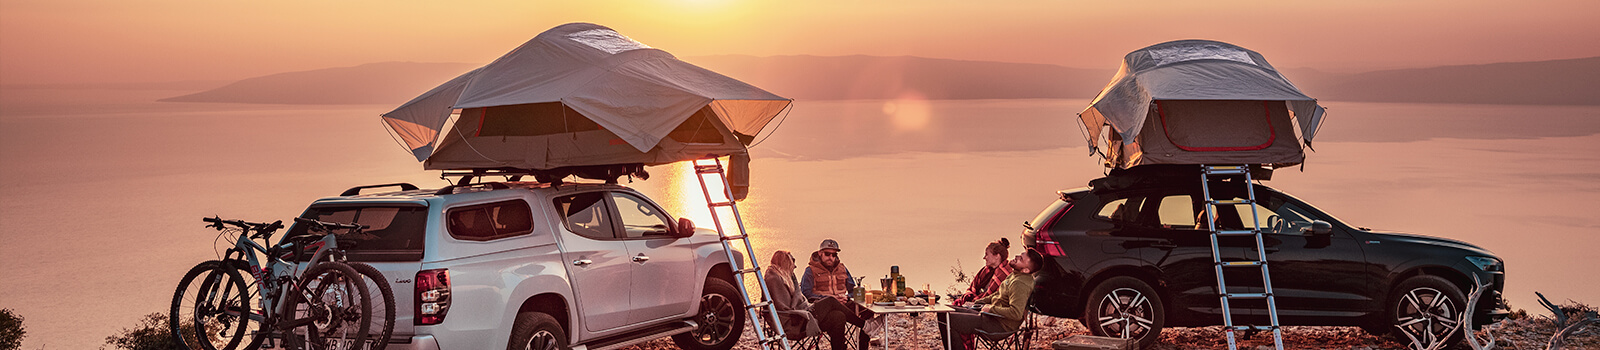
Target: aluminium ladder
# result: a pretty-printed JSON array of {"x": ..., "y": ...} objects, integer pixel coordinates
[
  {"x": 713, "y": 166},
  {"x": 1206, "y": 171}
]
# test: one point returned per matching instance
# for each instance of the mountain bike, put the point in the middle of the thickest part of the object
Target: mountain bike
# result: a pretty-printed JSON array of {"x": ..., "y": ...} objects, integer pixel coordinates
[
  {"x": 382, "y": 296},
  {"x": 325, "y": 307}
]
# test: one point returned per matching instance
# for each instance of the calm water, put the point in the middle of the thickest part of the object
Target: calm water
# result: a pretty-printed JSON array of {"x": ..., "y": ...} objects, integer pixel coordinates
[{"x": 100, "y": 195}]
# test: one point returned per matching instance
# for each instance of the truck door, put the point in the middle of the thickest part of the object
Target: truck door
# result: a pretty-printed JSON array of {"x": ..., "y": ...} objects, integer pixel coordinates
[
  {"x": 664, "y": 280},
  {"x": 596, "y": 260}
]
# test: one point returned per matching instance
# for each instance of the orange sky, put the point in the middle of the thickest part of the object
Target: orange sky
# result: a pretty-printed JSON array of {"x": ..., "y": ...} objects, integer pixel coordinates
[{"x": 79, "y": 41}]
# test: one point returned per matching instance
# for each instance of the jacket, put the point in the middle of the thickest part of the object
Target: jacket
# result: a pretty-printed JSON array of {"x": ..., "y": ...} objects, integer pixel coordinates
[
  {"x": 1011, "y": 301},
  {"x": 820, "y": 281}
]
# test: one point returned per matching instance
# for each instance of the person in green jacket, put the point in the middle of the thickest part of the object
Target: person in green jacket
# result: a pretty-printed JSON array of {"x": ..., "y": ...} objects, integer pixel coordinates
[{"x": 1002, "y": 311}]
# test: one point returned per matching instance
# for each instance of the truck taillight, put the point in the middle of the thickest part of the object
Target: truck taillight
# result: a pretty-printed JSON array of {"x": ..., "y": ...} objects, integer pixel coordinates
[{"x": 433, "y": 296}]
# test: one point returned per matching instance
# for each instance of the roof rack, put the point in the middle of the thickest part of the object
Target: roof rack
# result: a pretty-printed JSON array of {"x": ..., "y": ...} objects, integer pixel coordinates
[{"x": 555, "y": 177}]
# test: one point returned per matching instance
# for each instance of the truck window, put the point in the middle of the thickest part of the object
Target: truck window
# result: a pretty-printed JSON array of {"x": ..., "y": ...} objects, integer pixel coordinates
[
  {"x": 586, "y": 215},
  {"x": 639, "y": 217},
  {"x": 394, "y": 232},
  {"x": 491, "y": 221}
]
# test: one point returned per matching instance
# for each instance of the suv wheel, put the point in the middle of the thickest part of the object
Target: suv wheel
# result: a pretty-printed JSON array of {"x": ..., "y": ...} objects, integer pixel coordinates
[
  {"x": 1127, "y": 308},
  {"x": 720, "y": 320},
  {"x": 536, "y": 331},
  {"x": 1426, "y": 310}
]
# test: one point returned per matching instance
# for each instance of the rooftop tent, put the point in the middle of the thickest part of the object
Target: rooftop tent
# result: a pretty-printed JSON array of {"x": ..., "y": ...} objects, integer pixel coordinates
[
  {"x": 578, "y": 95},
  {"x": 1199, "y": 102}
]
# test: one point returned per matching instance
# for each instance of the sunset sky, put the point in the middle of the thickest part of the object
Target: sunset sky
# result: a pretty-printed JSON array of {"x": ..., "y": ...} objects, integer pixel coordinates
[{"x": 89, "y": 41}]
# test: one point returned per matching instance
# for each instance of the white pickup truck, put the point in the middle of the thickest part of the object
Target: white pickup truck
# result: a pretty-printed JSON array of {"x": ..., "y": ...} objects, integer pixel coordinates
[{"x": 524, "y": 265}]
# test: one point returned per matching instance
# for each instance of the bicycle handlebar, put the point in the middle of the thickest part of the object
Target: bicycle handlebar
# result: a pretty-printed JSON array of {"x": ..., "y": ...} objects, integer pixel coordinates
[{"x": 260, "y": 228}]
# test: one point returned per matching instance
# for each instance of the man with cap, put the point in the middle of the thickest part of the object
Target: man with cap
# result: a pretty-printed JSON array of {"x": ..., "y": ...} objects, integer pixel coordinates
[{"x": 826, "y": 276}]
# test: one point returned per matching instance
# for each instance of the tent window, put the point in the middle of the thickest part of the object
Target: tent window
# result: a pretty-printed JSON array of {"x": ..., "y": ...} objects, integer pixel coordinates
[
  {"x": 531, "y": 119},
  {"x": 698, "y": 129},
  {"x": 1221, "y": 125}
]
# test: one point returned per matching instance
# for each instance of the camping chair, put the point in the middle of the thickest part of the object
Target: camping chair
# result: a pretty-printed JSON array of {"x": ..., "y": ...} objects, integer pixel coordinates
[
  {"x": 1013, "y": 340},
  {"x": 792, "y": 324}
]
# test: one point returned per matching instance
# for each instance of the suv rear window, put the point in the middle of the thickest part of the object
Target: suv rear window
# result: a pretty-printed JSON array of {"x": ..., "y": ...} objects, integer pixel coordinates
[
  {"x": 394, "y": 232},
  {"x": 491, "y": 221}
]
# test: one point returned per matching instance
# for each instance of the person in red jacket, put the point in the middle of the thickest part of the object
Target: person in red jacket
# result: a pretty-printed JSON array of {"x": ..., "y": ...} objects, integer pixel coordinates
[{"x": 986, "y": 282}]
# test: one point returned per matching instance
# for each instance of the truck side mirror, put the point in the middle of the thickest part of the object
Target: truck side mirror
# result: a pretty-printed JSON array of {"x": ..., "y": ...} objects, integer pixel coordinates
[
  {"x": 1317, "y": 227},
  {"x": 685, "y": 228}
]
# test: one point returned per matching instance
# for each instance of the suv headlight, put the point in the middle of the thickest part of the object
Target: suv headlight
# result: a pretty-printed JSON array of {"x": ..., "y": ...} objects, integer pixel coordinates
[{"x": 1485, "y": 263}]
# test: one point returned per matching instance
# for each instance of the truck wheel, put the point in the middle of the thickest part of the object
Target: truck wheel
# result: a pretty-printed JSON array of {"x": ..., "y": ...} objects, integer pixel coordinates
[
  {"x": 1127, "y": 308},
  {"x": 536, "y": 331},
  {"x": 1426, "y": 310},
  {"x": 720, "y": 319}
]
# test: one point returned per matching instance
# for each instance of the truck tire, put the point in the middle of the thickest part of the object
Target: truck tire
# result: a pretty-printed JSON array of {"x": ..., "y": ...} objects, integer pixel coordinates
[
  {"x": 720, "y": 319},
  {"x": 536, "y": 331}
]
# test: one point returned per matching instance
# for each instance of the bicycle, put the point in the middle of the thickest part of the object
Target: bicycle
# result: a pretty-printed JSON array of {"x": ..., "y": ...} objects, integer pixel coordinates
[
  {"x": 222, "y": 310},
  {"x": 382, "y": 298}
]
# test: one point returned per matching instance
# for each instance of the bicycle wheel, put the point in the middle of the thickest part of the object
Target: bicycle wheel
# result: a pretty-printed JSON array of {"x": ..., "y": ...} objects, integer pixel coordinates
[
  {"x": 253, "y": 332},
  {"x": 334, "y": 297},
  {"x": 210, "y": 308},
  {"x": 382, "y": 301}
]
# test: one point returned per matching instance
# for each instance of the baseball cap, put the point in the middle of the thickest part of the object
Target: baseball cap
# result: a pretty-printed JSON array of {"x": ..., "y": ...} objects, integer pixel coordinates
[{"x": 830, "y": 244}]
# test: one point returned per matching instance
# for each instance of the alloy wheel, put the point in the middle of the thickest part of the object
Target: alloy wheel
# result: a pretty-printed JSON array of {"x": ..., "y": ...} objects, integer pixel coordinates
[
  {"x": 542, "y": 340},
  {"x": 1125, "y": 313},
  {"x": 716, "y": 319},
  {"x": 1426, "y": 316}
]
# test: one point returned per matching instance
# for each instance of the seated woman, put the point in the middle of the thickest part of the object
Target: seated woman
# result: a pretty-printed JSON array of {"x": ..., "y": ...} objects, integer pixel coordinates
[
  {"x": 1003, "y": 310},
  {"x": 986, "y": 282},
  {"x": 827, "y": 314}
]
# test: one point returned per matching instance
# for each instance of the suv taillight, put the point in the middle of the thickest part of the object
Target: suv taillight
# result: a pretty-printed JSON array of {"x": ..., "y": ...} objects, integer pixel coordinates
[{"x": 433, "y": 296}]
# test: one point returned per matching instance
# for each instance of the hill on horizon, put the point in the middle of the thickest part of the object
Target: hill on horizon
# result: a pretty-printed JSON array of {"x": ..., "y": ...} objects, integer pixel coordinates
[{"x": 805, "y": 77}]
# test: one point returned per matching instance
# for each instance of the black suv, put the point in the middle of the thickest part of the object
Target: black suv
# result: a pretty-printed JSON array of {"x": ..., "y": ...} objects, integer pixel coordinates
[{"x": 1132, "y": 254}]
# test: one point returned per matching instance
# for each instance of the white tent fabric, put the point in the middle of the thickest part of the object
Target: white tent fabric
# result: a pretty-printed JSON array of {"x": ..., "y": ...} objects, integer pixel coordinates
[
  {"x": 638, "y": 93},
  {"x": 1189, "y": 70}
]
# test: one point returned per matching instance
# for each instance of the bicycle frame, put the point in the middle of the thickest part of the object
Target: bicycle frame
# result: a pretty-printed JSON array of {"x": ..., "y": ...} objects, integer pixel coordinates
[{"x": 277, "y": 274}]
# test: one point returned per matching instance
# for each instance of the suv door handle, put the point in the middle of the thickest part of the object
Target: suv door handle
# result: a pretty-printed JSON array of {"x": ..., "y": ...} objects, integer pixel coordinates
[
  {"x": 640, "y": 258},
  {"x": 581, "y": 262},
  {"x": 1163, "y": 245}
]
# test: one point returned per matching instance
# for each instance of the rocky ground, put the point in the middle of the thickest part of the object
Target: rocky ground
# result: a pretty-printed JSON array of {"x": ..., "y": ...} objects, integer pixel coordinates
[{"x": 919, "y": 333}]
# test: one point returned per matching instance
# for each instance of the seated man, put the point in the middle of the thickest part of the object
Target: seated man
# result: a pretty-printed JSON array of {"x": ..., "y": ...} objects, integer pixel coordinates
[
  {"x": 826, "y": 276},
  {"x": 1002, "y": 311}
]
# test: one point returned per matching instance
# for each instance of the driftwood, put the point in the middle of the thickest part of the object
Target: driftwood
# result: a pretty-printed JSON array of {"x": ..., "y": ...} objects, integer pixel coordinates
[{"x": 1563, "y": 328}]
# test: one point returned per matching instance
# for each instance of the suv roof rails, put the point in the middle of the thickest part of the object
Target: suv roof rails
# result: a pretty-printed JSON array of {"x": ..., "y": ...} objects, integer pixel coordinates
[
  {"x": 555, "y": 177},
  {"x": 357, "y": 190}
]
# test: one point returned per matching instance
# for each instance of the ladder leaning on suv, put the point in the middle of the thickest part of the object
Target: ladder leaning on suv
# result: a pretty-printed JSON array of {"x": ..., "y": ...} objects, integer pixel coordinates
[{"x": 518, "y": 265}]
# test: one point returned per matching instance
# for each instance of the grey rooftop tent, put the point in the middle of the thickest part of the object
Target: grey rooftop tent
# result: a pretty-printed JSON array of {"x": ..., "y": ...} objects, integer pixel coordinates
[
  {"x": 581, "y": 94},
  {"x": 1200, "y": 102}
]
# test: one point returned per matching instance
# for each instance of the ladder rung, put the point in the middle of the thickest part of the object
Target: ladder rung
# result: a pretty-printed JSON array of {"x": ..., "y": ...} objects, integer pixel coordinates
[
  {"x": 1226, "y": 169},
  {"x": 1242, "y": 263},
  {"x": 1247, "y": 295},
  {"x": 721, "y": 204},
  {"x": 744, "y": 271},
  {"x": 760, "y": 304},
  {"x": 1259, "y": 328},
  {"x": 1236, "y": 233},
  {"x": 734, "y": 237},
  {"x": 1231, "y": 201},
  {"x": 708, "y": 169}
]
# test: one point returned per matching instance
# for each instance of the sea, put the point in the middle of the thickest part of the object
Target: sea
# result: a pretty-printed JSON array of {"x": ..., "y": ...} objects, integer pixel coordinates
[{"x": 101, "y": 190}]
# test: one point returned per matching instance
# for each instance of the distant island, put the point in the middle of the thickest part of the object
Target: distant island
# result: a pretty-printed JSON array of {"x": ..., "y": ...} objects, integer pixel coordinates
[{"x": 1556, "y": 82}]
